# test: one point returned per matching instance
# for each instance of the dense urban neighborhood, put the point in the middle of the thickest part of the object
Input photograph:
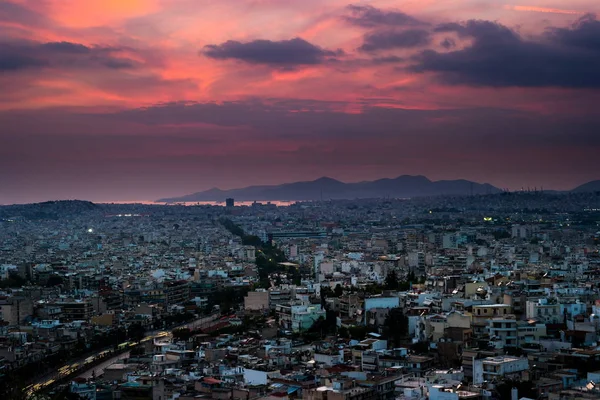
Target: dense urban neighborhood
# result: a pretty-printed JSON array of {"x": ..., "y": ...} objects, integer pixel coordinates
[{"x": 470, "y": 297}]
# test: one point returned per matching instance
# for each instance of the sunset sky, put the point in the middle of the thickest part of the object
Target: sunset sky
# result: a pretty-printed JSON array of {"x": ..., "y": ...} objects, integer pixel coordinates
[{"x": 109, "y": 100}]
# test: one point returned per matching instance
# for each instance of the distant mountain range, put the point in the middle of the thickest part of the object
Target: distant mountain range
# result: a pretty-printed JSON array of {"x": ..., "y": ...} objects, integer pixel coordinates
[
  {"x": 327, "y": 188},
  {"x": 593, "y": 186}
]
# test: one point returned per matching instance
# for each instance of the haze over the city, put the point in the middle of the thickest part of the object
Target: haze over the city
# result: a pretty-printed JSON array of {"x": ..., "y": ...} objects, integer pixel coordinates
[{"x": 138, "y": 100}]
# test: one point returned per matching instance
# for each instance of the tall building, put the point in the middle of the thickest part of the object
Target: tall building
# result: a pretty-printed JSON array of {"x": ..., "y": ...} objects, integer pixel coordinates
[{"x": 229, "y": 202}]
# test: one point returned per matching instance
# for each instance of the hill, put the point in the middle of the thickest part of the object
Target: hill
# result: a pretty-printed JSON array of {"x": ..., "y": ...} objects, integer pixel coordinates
[
  {"x": 404, "y": 186},
  {"x": 593, "y": 186},
  {"x": 50, "y": 209}
]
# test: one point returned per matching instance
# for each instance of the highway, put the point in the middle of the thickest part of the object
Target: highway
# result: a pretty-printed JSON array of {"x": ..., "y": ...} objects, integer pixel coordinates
[
  {"x": 79, "y": 364},
  {"x": 68, "y": 369},
  {"x": 99, "y": 369}
]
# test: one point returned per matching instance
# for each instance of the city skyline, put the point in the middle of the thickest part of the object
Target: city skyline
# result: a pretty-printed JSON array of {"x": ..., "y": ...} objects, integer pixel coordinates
[{"x": 112, "y": 100}]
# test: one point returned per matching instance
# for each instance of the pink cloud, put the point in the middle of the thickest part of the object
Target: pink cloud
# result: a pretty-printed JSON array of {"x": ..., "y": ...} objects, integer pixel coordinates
[{"x": 144, "y": 53}]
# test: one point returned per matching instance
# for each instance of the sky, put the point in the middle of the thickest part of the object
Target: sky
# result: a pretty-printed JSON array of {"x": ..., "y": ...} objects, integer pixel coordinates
[{"x": 120, "y": 100}]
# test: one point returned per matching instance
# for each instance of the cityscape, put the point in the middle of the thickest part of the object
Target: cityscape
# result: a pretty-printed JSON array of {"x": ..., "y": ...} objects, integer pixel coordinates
[
  {"x": 444, "y": 297},
  {"x": 299, "y": 200}
]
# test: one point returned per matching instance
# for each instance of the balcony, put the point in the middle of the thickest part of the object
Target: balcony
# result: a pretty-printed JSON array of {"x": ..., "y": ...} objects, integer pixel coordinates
[{"x": 506, "y": 329}]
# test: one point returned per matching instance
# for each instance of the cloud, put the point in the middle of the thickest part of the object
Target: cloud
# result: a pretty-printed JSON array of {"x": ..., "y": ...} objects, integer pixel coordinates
[
  {"x": 11, "y": 59},
  {"x": 499, "y": 57},
  {"x": 65, "y": 47},
  {"x": 371, "y": 17},
  {"x": 243, "y": 140},
  {"x": 585, "y": 34},
  {"x": 542, "y": 10},
  {"x": 12, "y": 12},
  {"x": 387, "y": 60},
  {"x": 448, "y": 43},
  {"x": 385, "y": 40},
  {"x": 285, "y": 53},
  {"x": 16, "y": 56}
]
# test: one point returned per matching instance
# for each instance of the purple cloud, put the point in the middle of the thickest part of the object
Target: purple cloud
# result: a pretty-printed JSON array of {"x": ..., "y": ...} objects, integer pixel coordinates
[{"x": 285, "y": 53}]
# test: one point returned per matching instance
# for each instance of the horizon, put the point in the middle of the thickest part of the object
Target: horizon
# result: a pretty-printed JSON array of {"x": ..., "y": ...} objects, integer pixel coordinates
[
  {"x": 216, "y": 202},
  {"x": 155, "y": 99}
]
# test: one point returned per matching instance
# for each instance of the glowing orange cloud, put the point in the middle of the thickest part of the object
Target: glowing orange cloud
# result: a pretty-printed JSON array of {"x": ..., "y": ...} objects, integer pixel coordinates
[
  {"x": 543, "y": 10},
  {"x": 81, "y": 14}
]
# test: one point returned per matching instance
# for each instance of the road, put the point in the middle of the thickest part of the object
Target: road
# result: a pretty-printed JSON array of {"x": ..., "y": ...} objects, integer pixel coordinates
[
  {"x": 77, "y": 364},
  {"x": 72, "y": 366},
  {"x": 99, "y": 369}
]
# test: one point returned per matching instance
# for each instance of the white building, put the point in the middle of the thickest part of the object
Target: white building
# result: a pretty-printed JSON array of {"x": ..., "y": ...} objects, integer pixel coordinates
[
  {"x": 255, "y": 377},
  {"x": 499, "y": 368},
  {"x": 544, "y": 310}
]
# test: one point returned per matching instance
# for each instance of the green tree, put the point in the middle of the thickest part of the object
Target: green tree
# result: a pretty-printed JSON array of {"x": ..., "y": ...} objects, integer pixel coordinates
[
  {"x": 373, "y": 289},
  {"x": 54, "y": 280},
  {"x": 391, "y": 280},
  {"x": 358, "y": 332},
  {"x": 395, "y": 327},
  {"x": 13, "y": 281},
  {"x": 251, "y": 240},
  {"x": 326, "y": 293},
  {"x": 136, "y": 332},
  {"x": 182, "y": 334},
  {"x": 338, "y": 291},
  {"x": 420, "y": 347}
]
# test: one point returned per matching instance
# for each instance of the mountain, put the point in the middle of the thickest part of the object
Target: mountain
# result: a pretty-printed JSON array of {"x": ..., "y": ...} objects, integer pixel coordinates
[
  {"x": 327, "y": 188},
  {"x": 51, "y": 209},
  {"x": 593, "y": 186}
]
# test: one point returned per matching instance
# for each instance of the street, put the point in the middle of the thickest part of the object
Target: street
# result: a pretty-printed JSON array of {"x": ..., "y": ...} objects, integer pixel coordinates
[{"x": 79, "y": 364}]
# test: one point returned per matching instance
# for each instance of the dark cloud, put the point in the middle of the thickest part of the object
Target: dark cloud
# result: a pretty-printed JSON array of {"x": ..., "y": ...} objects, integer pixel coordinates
[
  {"x": 500, "y": 57},
  {"x": 387, "y": 60},
  {"x": 285, "y": 53},
  {"x": 371, "y": 17},
  {"x": 480, "y": 29},
  {"x": 69, "y": 151},
  {"x": 65, "y": 47},
  {"x": 585, "y": 34},
  {"x": 13, "y": 59},
  {"x": 26, "y": 55},
  {"x": 448, "y": 43},
  {"x": 385, "y": 40},
  {"x": 12, "y": 12}
]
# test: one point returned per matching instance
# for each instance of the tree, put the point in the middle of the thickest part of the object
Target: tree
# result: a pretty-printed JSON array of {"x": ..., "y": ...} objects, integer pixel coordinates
[
  {"x": 373, "y": 289},
  {"x": 420, "y": 347},
  {"x": 251, "y": 240},
  {"x": 182, "y": 334},
  {"x": 54, "y": 280},
  {"x": 501, "y": 234},
  {"x": 525, "y": 388},
  {"x": 331, "y": 321},
  {"x": 13, "y": 281},
  {"x": 136, "y": 332},
  {"x": 391, "y": 280},
  {"x": 395, "y": 327},
  {"x": 358, "y": 332},
  {"x": 326, "y": 293},
  {"x": 338, "y": 291}
]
